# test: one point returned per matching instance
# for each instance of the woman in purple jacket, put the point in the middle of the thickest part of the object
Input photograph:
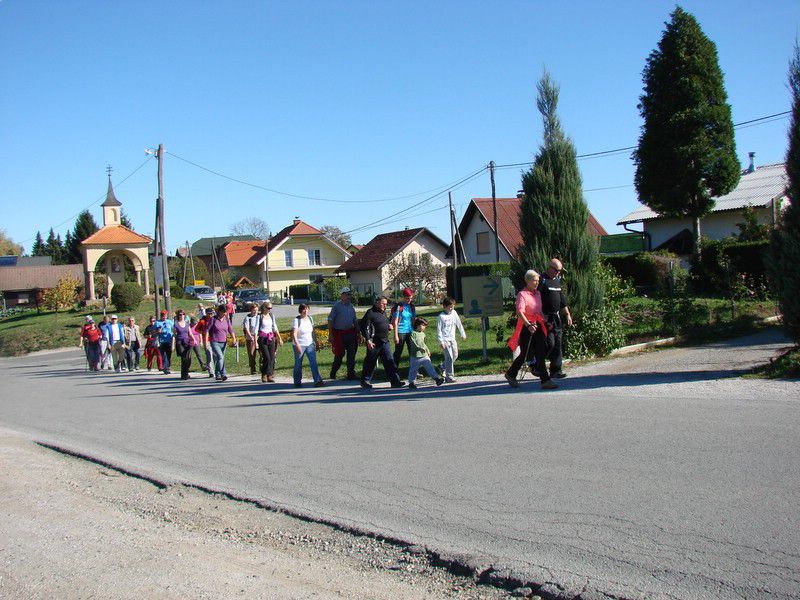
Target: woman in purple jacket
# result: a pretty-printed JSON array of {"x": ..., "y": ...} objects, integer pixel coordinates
[
  {"x": 183, "y": 341},
  {"x": 219, "y": 328}
]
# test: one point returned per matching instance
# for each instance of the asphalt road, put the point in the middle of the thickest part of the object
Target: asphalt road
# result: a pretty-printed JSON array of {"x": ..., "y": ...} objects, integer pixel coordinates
[{"x": 659, "y": 475}]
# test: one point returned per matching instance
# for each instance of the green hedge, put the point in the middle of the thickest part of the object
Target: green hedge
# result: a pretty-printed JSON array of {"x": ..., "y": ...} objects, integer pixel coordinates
[
  {"x": 649, "y": 272},
  {"x": 727, "y": 264}
]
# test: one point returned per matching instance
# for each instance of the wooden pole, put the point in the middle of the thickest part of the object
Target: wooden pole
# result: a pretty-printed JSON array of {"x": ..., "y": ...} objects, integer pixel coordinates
[
  {"x": 155, "y": 261},
  {"x": 494, "y": 208},
  {"x": 162, "y": 241}
]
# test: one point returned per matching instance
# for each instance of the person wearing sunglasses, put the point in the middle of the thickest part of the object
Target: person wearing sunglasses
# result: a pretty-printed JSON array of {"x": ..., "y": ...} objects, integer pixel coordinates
[{"x": 554, "y": 305}]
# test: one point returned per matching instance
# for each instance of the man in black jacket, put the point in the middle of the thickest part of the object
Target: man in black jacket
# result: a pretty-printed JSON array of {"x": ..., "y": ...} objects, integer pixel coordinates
[
  {"x": 375, "y": 328},
  {"x": 554, "y": 303}
]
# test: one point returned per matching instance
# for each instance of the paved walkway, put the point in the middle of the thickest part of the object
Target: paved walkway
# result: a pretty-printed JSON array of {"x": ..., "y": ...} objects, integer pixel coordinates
[{"x": 653, "y": 476}]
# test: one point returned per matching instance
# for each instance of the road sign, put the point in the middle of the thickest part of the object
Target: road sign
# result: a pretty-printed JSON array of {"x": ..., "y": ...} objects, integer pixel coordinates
[
  {"x": 483, "y": 296},
  {"x": 199, "y": 282}
]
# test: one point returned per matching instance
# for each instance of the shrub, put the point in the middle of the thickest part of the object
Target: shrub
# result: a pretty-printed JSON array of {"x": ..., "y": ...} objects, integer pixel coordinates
[
  {"x": 649, "y": 272},
  {"x": 127, "y": 295},
  {"x": 64, "y": 295},
  {"x": 175, "y": 290},
  {"x": 301, "y": 291},
  {"x": 730, "y": 267},
  {"x": 333, "y": 287}
]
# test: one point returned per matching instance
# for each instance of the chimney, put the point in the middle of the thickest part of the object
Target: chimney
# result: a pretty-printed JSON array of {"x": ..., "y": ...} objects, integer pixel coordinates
[
  {"x": 752, "y": 166},
  {"x": 296, "y": 221}
]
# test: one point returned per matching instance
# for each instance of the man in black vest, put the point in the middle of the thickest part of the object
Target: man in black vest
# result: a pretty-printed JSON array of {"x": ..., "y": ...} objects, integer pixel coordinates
[
  {"x": 554, "y": 304},
  {"x": 375, "y": 327}
]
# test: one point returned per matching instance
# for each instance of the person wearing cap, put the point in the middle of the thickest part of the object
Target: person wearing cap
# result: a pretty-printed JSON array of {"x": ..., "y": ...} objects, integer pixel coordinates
[
  {"x": 105, "y": 347},
  {"x": 554, "y": 305},
  {"x": 343, "y": 334},
  {"x": 116, "y": 343},
  {"x": 250, "y": 329},
  {"x": 201, "y": 329},
  {"x": 90, "y": 342},
  {"x": 403, "y": 314},
  {"x": 165, "y": 341}
]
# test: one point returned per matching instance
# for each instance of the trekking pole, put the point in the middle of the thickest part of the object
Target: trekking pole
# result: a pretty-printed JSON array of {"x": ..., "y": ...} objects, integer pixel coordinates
[{"x": 525, "y": 364}]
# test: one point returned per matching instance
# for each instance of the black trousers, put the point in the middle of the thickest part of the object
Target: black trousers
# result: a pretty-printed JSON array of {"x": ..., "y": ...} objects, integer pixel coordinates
[
  {"x": 185, "y": 352},
  {"x": 382, "y": 351},
  {"x": 196, "y": 350},
  {"x": 530, "y": 349},
  {"x": 267, "y": 350},
  {"x": 555, "y": 335},
  {"x": 350, "y": 346},
  {"x": 405, "y": 340}
]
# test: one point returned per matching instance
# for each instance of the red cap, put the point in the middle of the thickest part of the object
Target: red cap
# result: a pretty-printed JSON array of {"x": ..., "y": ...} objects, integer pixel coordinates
[
  {"x": 408, "y": 292},
  {"x": 163, "y": 312}
]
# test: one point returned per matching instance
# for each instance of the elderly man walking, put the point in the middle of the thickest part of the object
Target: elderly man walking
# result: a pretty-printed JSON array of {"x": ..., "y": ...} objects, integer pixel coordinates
[
  {"x": 343, "y": 334},
  {"x": 554, "y": 305}
]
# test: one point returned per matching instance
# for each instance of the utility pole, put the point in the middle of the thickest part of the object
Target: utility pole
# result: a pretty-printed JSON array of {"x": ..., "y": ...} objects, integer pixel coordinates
[
  {"x": 494, "y": 208},
  {"x": 266, "y": 265},
  {"x": 453, "y": 244},
  {"x": 191, "y": 261},
  {"x": 155, "y": 262},
  {"x": 160, "y": 209}
]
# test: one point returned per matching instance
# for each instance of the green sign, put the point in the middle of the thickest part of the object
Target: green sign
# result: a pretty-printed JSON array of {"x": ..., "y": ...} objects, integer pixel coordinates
[{"x": 483, "y": 296}]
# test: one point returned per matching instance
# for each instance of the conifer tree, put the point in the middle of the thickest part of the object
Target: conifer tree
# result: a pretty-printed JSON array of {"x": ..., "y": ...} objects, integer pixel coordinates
[
  {"x": 786, "y": 240},
  {"x": 553, "y": 213},
  {"x": 38, "y": 248},
  {"x": 85, "y": 226},
  {"x": 686, "y": 154},
  {"x": 54, "y": 248},
  {"x": 125, "y": 220}
]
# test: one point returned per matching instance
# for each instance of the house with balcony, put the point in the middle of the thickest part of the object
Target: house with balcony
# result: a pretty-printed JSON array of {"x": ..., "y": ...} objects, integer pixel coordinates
[{"x": 298, "y": 254}]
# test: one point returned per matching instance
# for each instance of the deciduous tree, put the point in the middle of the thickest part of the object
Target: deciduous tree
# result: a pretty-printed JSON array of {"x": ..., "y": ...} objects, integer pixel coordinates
[
  {"x": 8, "y": 246},
  {"x": 337, "y": 235},
  {"x": 686, "y": 153},
  {"x": 252, "y": 226}
]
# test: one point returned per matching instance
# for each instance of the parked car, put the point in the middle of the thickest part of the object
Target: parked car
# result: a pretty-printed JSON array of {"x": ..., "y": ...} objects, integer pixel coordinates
[
  {"x": 201, "y": 292},
  {"x": 246, "y": 298}
]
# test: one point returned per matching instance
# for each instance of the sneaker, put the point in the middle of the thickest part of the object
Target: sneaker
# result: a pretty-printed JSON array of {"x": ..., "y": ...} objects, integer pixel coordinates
[
  {"x": 149, "y": 369},
  {"x": 263, "y": 379},
  {"x": 270, "y": 379},
  {"x": 512, "y": 381},
  {"x": 549, "y": 385},
  {"x": 212, "y": 375},
  {"x": 559, "y": 375},
  {"x": 399, "y": 384},
  {"x": 217, "y": 378},
  {"x": 449, "y": 379},
  {"x": 439, "y": 381},
  {"x": 224, "y": 378},
  {"x": 319, "y": 383},
  {"x": 412, "y": 385},
  {"x": 366, "y": 385}
]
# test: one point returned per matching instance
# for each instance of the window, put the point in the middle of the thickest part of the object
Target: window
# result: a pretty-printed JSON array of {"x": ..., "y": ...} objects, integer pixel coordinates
[
  {"x": 314, "y": 258},
  {"x": 315, "y": 278},
  {"x": 287, "y": 258},
  {"x": 482, "y": 240}
]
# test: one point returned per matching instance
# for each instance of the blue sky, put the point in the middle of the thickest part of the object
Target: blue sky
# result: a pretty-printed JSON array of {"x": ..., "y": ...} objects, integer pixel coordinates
[{"x": 356, "y": 101}]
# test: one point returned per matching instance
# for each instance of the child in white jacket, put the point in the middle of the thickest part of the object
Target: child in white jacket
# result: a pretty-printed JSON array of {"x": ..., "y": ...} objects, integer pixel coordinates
[{"x": 446, "y": 327}]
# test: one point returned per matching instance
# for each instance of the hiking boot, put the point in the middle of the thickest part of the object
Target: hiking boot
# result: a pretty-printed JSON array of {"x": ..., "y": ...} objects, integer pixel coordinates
[
  {"x": 263, "y": 379},
  {"x": 399, "y": 384},
  {"x": 319, "y": 383},
  {"x": 412, "y": 386},
  {"x": 366, "y": 385},
  {"x": 559, "y": 375},
  {"x": 449, "y": 379},
  {"x": 270, "y": 379},
  {"x": 439, "y": 381},
  {"x": 512, "y": 381},
  {"x": 549, "y": 385}
]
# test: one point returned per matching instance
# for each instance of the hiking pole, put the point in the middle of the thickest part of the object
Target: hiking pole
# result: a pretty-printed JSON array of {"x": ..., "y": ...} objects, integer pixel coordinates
[{"x": 525, "y": 364}]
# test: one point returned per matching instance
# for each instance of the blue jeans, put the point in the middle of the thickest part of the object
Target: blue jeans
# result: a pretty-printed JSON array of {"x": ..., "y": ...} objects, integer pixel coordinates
[
  {"x": 218, "y": 351},
  {"x": 311, "y": 353}
]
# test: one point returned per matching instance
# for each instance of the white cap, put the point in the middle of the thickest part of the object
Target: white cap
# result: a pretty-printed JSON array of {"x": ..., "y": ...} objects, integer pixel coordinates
[
  {"x": 345, "y": 290},
  {"x": 114, "y": 317}
]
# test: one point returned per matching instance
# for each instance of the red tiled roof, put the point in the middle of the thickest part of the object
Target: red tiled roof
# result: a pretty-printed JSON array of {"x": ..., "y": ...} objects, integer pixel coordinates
[
  {"x": 115, "y": 234},
  {"x": 297, "y": 227},
  {"x": 508, "y": 229},
  {"x": 382, "y": 248},
  {"x": 16, "y": 279},
  {"x": 244, "y": 253}
]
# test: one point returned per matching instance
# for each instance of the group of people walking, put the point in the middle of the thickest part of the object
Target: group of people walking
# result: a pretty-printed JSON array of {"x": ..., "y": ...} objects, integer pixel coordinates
[{"x": 541, "y": 308}]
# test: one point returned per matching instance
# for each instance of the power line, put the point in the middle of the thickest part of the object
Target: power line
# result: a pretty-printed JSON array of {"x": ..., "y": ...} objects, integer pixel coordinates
[
  {"x": 301, "y": 196},
  {"x": 119, "y": 183}
]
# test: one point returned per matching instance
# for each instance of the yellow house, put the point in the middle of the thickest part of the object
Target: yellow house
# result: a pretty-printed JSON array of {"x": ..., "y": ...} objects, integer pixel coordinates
[{"x": 298, "y": 254}]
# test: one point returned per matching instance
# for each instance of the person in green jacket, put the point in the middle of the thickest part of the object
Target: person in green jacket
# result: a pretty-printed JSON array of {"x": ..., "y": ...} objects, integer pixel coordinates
[{"x": 420, "y": 355}]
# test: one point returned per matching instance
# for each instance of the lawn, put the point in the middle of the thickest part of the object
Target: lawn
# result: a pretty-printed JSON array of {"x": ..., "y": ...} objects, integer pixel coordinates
[{"x": 29, "y": 331}]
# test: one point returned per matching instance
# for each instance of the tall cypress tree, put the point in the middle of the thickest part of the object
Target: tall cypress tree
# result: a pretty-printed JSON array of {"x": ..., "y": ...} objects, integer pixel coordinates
[
  {"x": 38, "y": 248},
  {"x": 786, "y": 240},
  {"x": 553, "y": 213},
  {"x": 85, "y": 226},
  {"x": 686, "y": 154}
]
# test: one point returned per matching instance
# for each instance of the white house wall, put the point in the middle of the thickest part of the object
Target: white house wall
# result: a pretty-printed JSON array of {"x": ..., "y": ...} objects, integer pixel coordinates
[
  {"x": 470, "y": 238},
  {"x": 715, "y": 226},
  {"x": 361, "y": 280}
]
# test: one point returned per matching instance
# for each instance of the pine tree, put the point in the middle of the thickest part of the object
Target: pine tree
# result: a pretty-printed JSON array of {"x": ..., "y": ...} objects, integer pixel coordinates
[
  {"x": 85, "y": 226},
  {"x": 38, "y": 248},
  {"x": 553, "y": 213},
  {"x": 786, "y": 239},
  {"x": 687, "y": 153},
  {"x": 125, "y": 220},
  {"x": 54, "y": 248}
]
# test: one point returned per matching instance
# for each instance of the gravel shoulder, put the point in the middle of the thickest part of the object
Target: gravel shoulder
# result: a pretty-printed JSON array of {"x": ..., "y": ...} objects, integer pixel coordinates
[{"x": 71, "y": 528}]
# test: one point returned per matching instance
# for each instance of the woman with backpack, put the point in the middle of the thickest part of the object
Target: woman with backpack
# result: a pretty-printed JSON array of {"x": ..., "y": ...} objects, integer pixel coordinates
[
  {"x": 268, "y": 339},
  {"x": 303, "y": 342}
]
